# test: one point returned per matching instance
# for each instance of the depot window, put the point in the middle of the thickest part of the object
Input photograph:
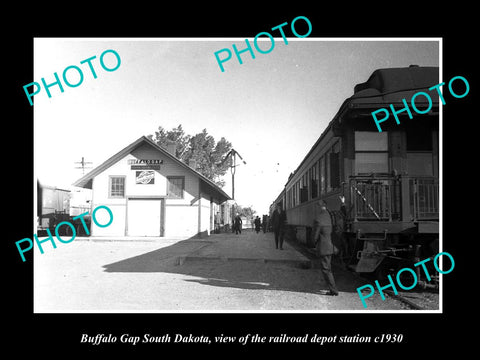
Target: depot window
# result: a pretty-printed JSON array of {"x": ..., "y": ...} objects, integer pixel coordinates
[
  {"x": 116, "y": 187},
  {"x": 176, "y": 186},
  {"x": 371, "y": 152}
]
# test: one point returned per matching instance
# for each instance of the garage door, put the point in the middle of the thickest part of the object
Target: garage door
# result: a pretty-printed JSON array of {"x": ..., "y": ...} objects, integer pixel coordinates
[{"x": 144, "y": 217}]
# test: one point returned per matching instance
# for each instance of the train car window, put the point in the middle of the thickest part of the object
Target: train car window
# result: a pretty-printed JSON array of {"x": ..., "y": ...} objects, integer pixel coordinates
[
  {"x": 420, "y": 151},
  {"x": 371, "y": 141},
  {"x": 371, "y": 163},
  {"x": 419, "y": 139},
  {"x": 298, "y": 192},
  {"x": 304, "y": 189},
  {"x": 336, "y": 147},
  {"x": 314, "y": 181},
  {"x": 309, "y": 181},
  {"x": 335, "y": 170},
  {"x": 420, "y": 163},
  {"x": 294, "y": 195},
  {"x": 289, "y": 198},
  {"x": 327, "y": 171},
  {"x": 371, "y": 152},
  {"x": 323, "y": 187}
]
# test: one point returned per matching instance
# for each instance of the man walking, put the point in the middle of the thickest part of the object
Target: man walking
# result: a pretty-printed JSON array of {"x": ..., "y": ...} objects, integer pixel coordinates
[
  {"x": 278, "y": 221},
  {"x": 324, "y": 245}
]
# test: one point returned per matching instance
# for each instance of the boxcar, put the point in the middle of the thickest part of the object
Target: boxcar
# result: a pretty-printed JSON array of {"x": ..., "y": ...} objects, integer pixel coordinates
[
  {"x": 55, "y": 205},
  {"x": 389, "y": 179}
]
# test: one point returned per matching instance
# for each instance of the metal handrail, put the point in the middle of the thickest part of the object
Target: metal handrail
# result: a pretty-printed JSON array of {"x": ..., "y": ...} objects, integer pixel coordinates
[
  {"x": 425, "y": 197},
  {"x": 376, "y": 193},
  {"x": 382, "y": 197}
]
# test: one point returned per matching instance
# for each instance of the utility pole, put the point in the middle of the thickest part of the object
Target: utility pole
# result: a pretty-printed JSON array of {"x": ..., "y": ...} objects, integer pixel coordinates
[
  {"x": 233, "y": 165},
  {"x": 233, "y": 154},
  {"x": 83, "y": 165}
]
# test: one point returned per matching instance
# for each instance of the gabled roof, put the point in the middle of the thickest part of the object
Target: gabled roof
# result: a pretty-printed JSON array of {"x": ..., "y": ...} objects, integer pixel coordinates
[{"x": 86, "y": 180}]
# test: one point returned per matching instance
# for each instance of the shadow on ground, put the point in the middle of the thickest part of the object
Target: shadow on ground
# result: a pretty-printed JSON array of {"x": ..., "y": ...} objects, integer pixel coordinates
[{"x": 238, "y": 273}]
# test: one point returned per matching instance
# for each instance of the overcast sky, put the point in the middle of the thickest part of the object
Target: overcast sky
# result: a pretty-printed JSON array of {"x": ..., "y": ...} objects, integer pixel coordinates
[{"x": 272, "y": 108}]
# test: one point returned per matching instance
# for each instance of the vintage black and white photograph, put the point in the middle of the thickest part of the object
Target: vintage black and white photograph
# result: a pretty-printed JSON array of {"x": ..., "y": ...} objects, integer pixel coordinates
[{"x": 250, "y": 175}]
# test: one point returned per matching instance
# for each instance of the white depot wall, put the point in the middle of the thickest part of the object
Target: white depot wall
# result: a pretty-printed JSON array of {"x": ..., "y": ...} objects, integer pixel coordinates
[
  {"x": 117, "y": 226},
  {"x": 117, "y": 207},
  {"x": 169, "y": 167},
  {"x": 205, "y": 225},
  {"x": 181, "y": 220},
  {"x": 181, "y": 215}
]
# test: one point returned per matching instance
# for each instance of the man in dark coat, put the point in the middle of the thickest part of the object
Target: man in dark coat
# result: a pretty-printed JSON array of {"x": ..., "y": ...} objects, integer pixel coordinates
[
  {"x": 264, "y": 223},
  {"x": 238, "y": 224},
  {"x": 257, "y": 223},
  {"x": 324, "y": 245},
  {"x": 278, "y": 221}
]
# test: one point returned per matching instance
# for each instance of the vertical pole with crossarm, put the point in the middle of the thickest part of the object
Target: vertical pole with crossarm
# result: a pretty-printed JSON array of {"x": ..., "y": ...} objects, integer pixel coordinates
[
  {"x": 83, "y": 164},
  {"x": 233, "y": 154},
  {"x": 232, "y": 170}
]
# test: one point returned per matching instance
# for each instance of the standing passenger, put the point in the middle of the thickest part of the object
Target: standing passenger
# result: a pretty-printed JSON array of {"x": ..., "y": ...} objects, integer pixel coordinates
[
  {"x": 324, "y": 245},
  {"x": 339, "y": 231},
  {"x": 257, "y": 224},
  {"x": 278, "y": 221},
  {"x": 238, "y": 224}
]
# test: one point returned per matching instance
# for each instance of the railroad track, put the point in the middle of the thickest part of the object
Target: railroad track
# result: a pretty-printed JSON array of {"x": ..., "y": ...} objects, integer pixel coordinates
[
  {"x": 418, "y": 300},
  {"x": 403, "y": 299},
  {"x": 422, "y": 300},
  {"x": 415, "y": 300}
]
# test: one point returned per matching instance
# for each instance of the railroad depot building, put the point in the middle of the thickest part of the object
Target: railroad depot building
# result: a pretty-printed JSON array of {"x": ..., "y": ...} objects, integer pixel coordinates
[{"x": 152, "y": 193}]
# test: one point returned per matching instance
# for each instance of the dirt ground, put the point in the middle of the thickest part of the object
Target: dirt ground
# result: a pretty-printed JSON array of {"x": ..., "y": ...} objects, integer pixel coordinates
[{"x": 148, "y": 276}]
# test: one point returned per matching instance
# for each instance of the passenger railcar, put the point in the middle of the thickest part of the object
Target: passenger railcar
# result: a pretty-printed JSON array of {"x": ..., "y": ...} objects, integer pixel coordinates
[
  {"x": 280, "y": 200},
  {"x": 389, "y": 179}
]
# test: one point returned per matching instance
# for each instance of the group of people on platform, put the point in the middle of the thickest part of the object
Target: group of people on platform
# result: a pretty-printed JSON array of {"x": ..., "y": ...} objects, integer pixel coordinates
[
  {"x": 257, "y": 224},
  {"x": 322, "y": 236}
]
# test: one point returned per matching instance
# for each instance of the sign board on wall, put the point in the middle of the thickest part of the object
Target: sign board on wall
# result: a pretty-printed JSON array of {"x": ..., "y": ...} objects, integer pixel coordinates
[
  {"x": 144, "y": 164},
  {"x": 145, "y": 161},
  {"x": 145, "y": 177}
]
